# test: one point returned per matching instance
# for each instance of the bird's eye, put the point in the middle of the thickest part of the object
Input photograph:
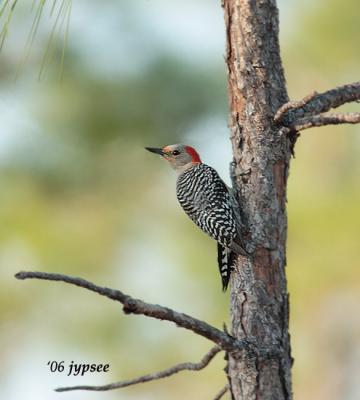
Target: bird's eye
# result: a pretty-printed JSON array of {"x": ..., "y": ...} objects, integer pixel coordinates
[{"x": 175, "y": 152}]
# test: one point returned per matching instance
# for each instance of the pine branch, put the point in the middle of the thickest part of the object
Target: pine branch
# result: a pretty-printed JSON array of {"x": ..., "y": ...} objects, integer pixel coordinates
[
  {"x": 188, "y": 366},
  {"x": 317, "y": 103},
  {"x": 327, "y": 119},
  {"x": 222, "y": 392},
  {"x": 137, "y": 306}
]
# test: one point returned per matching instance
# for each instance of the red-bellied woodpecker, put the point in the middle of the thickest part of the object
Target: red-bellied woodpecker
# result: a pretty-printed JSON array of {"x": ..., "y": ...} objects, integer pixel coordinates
[{"x": 207, "y": 201}]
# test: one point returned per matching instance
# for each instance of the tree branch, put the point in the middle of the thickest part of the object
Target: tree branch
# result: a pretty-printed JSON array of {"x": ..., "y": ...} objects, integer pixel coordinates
[
  {"x": 293, "y": 105},
  {"x": 317, "y": 103},
  {"x": 137, "y": 306},
  {"x": 327, "y": 119},
  {"x": 150, "y": 377},
  {"x": 222, "y": 392}
]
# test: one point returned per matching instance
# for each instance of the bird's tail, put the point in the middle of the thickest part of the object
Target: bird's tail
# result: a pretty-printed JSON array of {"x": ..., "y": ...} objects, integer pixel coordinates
[{"x": 226, "y": 259}]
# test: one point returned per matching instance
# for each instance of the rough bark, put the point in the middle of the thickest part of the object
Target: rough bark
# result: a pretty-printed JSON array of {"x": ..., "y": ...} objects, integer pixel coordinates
[{"x": 262, "y": 150}]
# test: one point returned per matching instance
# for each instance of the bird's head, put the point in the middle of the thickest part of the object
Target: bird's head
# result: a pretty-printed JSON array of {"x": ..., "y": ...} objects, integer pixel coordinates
[{"x": 179, "y": 156}]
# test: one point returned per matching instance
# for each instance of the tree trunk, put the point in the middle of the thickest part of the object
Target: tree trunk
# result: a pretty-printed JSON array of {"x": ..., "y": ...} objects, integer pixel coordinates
[{"x": 262, "y": 151}]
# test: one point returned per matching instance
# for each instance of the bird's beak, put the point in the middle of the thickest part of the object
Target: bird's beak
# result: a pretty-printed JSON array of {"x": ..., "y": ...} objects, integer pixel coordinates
[{"x": 155, "y": 150}]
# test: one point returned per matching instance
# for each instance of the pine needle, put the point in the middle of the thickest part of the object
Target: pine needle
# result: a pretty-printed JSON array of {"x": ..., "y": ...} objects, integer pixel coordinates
[
  {"x": 3, "y": 8},
  {"x": 66, "y": 37},
  {"x": 53, "y": 8},
  {"x": 5, "y": 29},
  {"x": 50, "y": 45},
  {"x": 62, "y": 12},
  {"x": 31, "y": 36}
]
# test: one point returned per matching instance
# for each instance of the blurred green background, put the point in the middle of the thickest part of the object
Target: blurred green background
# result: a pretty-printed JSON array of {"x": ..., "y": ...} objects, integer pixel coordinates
[{"x": 79, "y": 195}]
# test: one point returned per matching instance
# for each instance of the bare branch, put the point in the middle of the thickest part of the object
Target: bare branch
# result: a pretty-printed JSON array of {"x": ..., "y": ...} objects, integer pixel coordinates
[
  {"x": 137, "y": 306},
  {"x": 188, "y": 366},
  {"x": 317, "y": 103},
  {"x": 292, "y": 105},
  {"x": 327, "y": 119},
  {"x": 222, "y": 392}
]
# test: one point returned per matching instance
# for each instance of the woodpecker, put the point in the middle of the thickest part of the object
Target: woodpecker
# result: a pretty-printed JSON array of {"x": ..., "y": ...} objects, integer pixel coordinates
[{"x": 208, "y": 202}]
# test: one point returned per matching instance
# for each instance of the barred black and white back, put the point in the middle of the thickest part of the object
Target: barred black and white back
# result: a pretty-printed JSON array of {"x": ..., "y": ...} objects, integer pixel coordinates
[{"x": 206, "y": 200}]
